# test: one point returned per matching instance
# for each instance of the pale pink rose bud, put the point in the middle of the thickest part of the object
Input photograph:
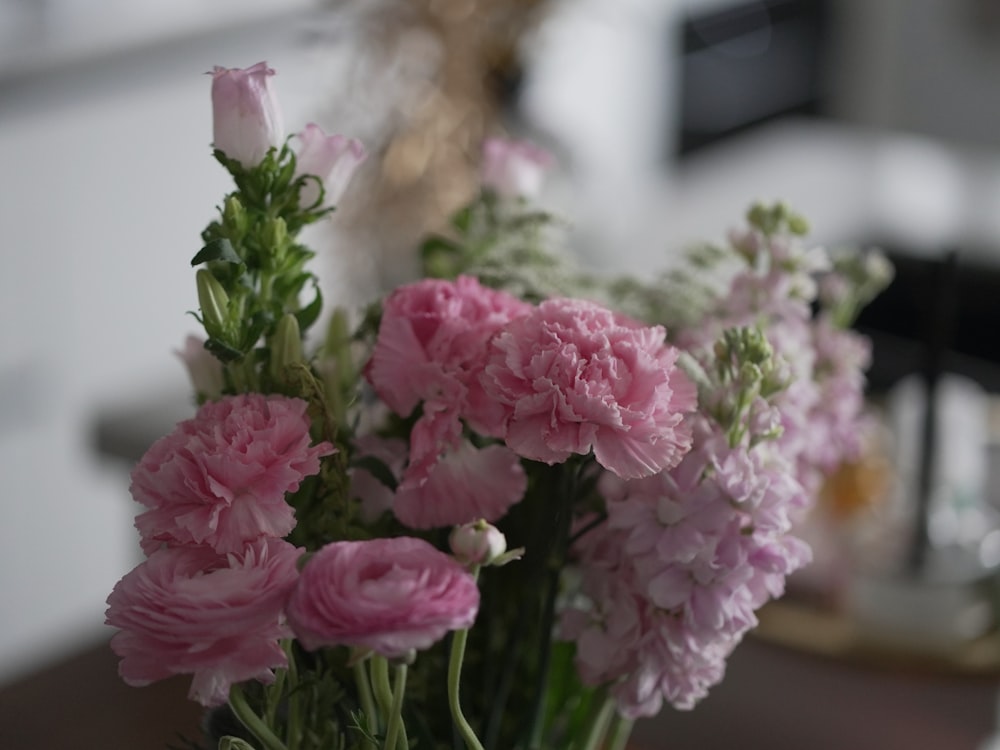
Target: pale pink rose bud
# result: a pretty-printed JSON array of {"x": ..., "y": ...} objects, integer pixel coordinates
[
  {"x": 204, "y": 370},
  {"x": 477, "y": 543},
  {"x": 331, "y": 158},
  {"x": 391, "y": 595},
  {"x": 246, "y": 119},
  {"x": 514, "y": 169}
]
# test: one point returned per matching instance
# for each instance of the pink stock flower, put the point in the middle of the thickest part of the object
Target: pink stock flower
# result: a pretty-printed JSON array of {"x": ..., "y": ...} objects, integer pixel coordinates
[
  {"x": 204, "y": 370},
  {"x": 189, "y": 610},
  {"x": 455, "y": 491},
  {"x": 573, "y": 376},
  {"x": 670, "y": 584},
  {"x": 389, "y": 595},
  {"x": 514, "y": 169},
  {"x": 246, "y": 119},
  {"x": 220, "y": 478},
  {"x": 331, "y": 158}
]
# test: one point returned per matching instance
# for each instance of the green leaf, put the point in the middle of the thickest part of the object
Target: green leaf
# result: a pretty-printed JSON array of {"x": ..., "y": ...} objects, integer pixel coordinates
[
  {"x": 308, "y": 314},
  {"x": 378, "y": 469},
  {"x": 223, "y": 351},
  {"x": 435, "y": 245},
  {"x": 234, "y": 743},
  {"x": 218, "y": 249},
  {"x": 260, "y": 322},
  {"x": 462, "y": 219}
]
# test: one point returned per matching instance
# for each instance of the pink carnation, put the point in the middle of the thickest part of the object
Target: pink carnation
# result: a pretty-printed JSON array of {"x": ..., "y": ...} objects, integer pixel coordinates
[
  {"x": 573, "y": 376},
  {"x": 431, "y": 348},
  {"x": 220, "y": 478},
  {"x": 389, "y": 595},
  {"x": 455, "y": 491},
  {"x": 432, "y": 339},
  {"x": 189, "y": 610}
]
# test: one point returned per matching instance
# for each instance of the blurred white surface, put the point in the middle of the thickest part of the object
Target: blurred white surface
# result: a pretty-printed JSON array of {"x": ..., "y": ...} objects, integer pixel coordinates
[{"x": 45, "y": 34}]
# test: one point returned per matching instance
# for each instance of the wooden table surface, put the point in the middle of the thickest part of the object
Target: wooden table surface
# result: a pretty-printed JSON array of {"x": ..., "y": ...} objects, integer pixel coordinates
[{"x": 773, "y": 698}]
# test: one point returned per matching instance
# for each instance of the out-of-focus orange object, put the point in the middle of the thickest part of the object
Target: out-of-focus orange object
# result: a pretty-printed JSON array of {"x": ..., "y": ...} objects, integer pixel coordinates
[{"x": 856, "y": 486}]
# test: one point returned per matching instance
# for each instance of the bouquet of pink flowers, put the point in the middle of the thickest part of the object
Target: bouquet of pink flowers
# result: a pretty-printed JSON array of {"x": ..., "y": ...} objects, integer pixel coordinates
[{"x": 515, "y": 506}]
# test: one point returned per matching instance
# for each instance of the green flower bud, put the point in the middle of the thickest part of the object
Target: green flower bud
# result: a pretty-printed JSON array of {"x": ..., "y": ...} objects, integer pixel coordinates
[
  {"x": 276, "y": 235},
  {"x": 234, "y": 215},
  {"x": 214, "y": 303},
  {"x": 286, "y": 346}
]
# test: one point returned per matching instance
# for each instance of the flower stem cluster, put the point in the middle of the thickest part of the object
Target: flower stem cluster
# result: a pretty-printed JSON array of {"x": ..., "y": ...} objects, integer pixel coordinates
[{"x": 253, "y": 272}]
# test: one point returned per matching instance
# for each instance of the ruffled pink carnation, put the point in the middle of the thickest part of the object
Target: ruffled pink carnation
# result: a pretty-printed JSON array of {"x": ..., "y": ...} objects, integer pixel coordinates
[
  {"x": 190, "y": 610},
  {"x": 389, "y": 595},
  {"x": 431, "y": 349},
  {"x": 467, "y": 484},
  {"x": 573, "y": 376},
  {"x": 220, "y": 478}
]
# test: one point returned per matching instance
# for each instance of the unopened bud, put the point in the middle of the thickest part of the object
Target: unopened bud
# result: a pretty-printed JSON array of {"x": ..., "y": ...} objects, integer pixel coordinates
[
  {"x": 276, "y": 234},
  {"x": 477, "y": 543},
  {"x": 286, "y": 346},
  {"x": 234, "y": 215},
  {"x": 214, "y": 303}
]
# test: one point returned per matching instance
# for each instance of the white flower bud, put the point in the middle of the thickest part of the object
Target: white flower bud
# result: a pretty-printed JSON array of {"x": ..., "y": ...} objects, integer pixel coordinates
[
  {"x": 477, "y": 543},
  {"x": 246, "y": 118}
]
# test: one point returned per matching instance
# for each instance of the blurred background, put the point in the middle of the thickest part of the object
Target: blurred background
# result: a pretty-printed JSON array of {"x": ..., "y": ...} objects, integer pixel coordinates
[{"x": 879, "y": 120}]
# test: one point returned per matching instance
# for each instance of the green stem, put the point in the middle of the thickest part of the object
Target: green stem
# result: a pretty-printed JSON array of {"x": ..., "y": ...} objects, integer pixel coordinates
[
  {"x": 380, "y": 682},
  {"x": 274, "y": 693},
  {"x": 250, "y": 720},
  {"x": 621, "y": 728},
  {"x": 293, "y": 730},
  {"x": 571, "y": 476},
  {"x": 459, "y": 639},
  {"x": 454, "y": 677},
  {"x": 367, "y": 700},
  {"x": 396, "y": 733},
  {"x": 599, "y": 724}
]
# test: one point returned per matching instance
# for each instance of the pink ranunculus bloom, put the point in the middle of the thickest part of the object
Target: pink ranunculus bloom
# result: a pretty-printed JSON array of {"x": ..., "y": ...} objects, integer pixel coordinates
[
  {"x": 574, "y": 376},
  {"x": 190, "y": 610},
  {"x": 246, "y": 120},
  {"x": 204, "y": 370},
  {"x": 514, "y": 169},
  {"x": 220, "y": 478},
  {"x": 391, "y": 595},
  {"x": 331, "y": 158},
  {"x": 455, "y": 491}
]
